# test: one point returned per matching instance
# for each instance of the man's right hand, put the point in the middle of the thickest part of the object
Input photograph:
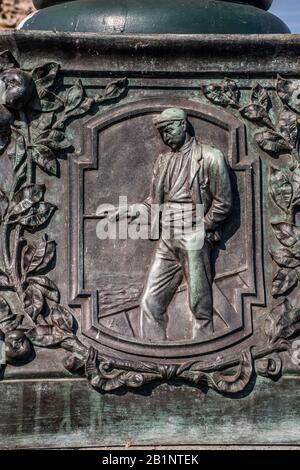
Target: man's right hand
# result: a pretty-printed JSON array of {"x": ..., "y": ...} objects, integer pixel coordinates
[{"x": 210, "y": 237}]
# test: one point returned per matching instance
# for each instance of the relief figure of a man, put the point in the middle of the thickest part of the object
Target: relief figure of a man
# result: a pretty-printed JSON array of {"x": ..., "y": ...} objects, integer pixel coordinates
[{"x": 189, "y": 175}]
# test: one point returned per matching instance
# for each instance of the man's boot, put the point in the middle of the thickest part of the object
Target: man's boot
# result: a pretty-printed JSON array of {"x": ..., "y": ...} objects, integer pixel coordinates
[
  {"x": 202, "y": 329},
  {"x": 151, "y": 328}
]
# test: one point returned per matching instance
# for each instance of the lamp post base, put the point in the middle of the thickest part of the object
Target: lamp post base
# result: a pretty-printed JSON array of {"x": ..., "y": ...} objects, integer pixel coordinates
[{"x": 152, "y": 17}]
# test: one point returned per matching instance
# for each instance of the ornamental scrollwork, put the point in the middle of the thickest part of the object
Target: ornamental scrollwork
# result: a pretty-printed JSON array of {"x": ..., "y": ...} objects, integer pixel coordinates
[{"x": 107, "y": 374}]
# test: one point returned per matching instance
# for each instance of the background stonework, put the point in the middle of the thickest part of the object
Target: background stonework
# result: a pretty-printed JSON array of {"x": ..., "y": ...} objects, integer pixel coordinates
[{"x": 12, "y": 12}]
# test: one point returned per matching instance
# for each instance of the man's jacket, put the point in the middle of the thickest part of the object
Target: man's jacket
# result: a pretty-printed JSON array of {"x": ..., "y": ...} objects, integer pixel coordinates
[{"x": 209, "y": 183}]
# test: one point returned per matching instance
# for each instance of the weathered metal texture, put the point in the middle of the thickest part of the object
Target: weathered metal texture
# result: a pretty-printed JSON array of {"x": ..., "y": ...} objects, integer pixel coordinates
[
  {"x": 72, "y": 306},
  {"x": 149, "y": 17},
  {"x": 67, "y": 414}
]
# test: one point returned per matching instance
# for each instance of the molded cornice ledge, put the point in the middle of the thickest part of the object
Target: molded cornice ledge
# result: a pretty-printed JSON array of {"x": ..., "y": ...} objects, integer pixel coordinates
[{"x": 186, "y": 54}]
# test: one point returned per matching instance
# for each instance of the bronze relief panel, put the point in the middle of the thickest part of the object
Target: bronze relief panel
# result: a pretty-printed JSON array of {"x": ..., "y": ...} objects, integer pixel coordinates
[
  {"x": 117, "y": 161},
  {"x": 213, "y": 310}
]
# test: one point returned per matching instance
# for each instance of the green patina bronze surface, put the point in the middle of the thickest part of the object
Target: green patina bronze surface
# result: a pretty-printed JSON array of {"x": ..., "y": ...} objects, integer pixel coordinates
[
  {"x": 41, "y": 404},
  {"x": 150, "y": 17},
  {"x": 68, "y": 414}
]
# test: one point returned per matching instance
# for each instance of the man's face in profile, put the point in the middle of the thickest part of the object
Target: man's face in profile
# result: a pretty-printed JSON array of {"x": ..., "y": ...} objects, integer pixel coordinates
[{"x": 173, "y": 134}]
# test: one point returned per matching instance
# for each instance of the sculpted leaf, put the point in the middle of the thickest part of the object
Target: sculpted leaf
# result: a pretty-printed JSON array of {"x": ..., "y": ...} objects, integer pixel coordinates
[
  {"x": 54, "y": 139},
  {"x": 73, "y": 363},
  {"x": 3, "y": 204},
  {"x": 4, "y": 281},
  {"x": 286, "y": 258},
  {"x": 283, "y": 88},
  {"x": 272, "y": 142},
  {"x": 283, "y": 281},
  {"x": 58, "y": 140},
  {"x": 33, "y": 301},
  {"x": 283, "y": 321},
  {"x": 45, "y": 121},
  {"x": 20, "y": 177},
  {"x": 74, "y": 97},
  {"x": 8, "y": 321},
  {"x": 45, "y": 101},
  {"x": 38, "y": 256},
  {"x": 8, "y": 61},
  {"x": 295, "y": 250},
  {"x": 58, "y": 330},
  {"x": 19, "y": 151},
  {"x": 226, "y": 94},
  {"x": 232, "y": 91},
  {"x": 287, "y": 234},
  {"x": 21, "y": 126},
  {"x": 260, "y": 96},
  {"x": 45, "y": 158},
  {"x": 5, "y": 309},
  {"x": 46, "y": 286},
  {"x": 83, "y": 108},
  {"x": 289, "y": 92},
  {"x": 25, "y": 199},
  {"x": 2, "y": 272},
  {"x": 38, "y": 215},
  {"x": 113, "y": 90},
  {"x": 295, "y": 181},
  {"x": 257, "y": 113},
  {"x": 4, "y": 141},
  {"x": 216, "y": 95},
  {"x": 62, "y": 318},
  {"x": 288, "y": 127},
  {"x": 280, "y": 188},
  {"x": 46, "y": 336},
  {"x": 45, "y": 75}
]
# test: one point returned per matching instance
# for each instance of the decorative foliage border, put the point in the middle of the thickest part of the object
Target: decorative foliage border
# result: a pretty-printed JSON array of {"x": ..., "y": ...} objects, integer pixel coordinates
[
  {"x": 278, "y": 136},
  {"x": 34, "y": 119},
  {"x": 33, "y": 124}
]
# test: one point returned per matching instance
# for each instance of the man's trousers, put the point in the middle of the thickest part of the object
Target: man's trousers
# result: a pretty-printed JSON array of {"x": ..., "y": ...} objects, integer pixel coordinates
[{"x": 171, "y": 262}]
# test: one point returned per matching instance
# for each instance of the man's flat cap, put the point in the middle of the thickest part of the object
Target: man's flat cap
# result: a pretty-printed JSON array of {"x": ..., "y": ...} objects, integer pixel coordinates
[{"x": 169, "y": 115}]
